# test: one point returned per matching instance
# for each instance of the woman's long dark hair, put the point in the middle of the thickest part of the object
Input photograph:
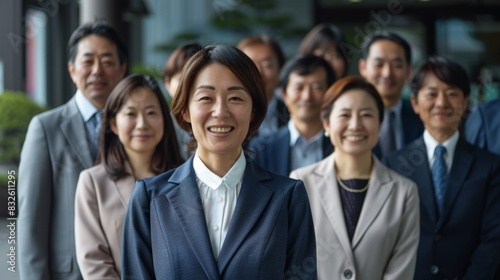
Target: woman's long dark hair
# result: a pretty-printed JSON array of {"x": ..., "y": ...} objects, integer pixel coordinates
[{"x": 112, "y": 153}]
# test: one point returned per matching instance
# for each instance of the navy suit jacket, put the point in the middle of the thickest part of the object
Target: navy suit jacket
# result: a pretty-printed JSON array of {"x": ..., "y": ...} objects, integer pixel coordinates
[
  {"x": 274, "y": 153},
  {"x": 412, "y": 126},
  {"x": 483, "y": 126},
  {"x": 271, "y": 232},
  {"x": 464, "y": 242}
]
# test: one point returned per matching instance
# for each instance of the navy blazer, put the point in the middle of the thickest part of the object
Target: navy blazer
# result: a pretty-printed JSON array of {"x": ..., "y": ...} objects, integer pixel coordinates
[
  {"x": 464, "y": 243},
  {"x": 412, "y": 126},
  {"x": 271, "y": 232},
  {"x": 274, "y": 153},
  {"x": 483, "y": 126}
]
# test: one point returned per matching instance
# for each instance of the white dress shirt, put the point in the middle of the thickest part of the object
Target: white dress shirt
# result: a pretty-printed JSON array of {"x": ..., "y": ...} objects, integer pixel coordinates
[
  {"x": 450, "y": 144},
  {"x": 87, "y": 111},
  {"x": 304, "y": 152},
  {"x": 219, "y": 196}
]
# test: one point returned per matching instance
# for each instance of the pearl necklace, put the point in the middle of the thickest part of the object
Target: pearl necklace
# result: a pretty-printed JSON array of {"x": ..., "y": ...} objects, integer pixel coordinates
[{"x": 350, "y": 189}]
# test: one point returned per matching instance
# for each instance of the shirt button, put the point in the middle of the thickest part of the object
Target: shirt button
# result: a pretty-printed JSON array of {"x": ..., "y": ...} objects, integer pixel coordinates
[
  {"x": 348, "y": 274},
  {"x": 215, "y": 227},
  {"x": 434, "y": 269},
  {"x": 220, "y": 199}
]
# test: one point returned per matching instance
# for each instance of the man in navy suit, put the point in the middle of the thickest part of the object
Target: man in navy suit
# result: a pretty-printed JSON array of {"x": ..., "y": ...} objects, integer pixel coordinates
[
  {"x": 303, "y": 82},
  {"x": 483, "y": 127},
  {"x": 386, "y": 64},
  {"x": 459, "y": 184}
]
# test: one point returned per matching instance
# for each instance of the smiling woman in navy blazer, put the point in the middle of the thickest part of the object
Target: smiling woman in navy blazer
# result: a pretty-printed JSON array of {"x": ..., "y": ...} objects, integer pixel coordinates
[{"x": 219, "y": 215}]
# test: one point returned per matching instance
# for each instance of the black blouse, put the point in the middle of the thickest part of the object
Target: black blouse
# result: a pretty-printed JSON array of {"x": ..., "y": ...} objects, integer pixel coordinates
[{"x": 352, "y": 203}]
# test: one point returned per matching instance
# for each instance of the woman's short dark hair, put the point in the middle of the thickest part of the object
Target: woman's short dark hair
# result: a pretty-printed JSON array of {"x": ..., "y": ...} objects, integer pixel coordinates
[
  {"x": 445, "y": 70},
  {"x": 265, "y": 40},
  {"x": 112, "y": 153},
  {"x": 178, "y": 59},
  {"x": 240, "y": 65},
  {"x": 345, "y": 84},
  {"x": 320, "y": 36}
]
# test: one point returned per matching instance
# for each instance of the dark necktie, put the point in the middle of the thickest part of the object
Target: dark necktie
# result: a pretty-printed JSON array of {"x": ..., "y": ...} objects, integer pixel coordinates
[
  {"x": 439, "y": 176},
  {"x": 388, "y": 139},
  {"x": 96, "y": 133}
]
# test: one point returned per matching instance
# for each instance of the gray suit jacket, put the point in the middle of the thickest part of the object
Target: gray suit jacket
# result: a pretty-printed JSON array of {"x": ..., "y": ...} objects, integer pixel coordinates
[
  {"x": 55, "y": 151},
  {"x": 100, "y": 207},
  {"x": 385, "y": 242}
]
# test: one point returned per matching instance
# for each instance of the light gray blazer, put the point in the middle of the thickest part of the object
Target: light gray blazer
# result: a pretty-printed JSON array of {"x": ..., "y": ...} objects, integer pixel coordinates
[
  {"x": 54, "y": 153},
  {"x": 385, "y": 242},
  {"x": 100, "y": 207}
]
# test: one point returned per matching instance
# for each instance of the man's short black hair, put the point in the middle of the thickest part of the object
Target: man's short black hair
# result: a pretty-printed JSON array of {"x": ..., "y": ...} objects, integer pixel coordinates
[
  {"x": 305, "y": 65},
  {"x": 99, "y": 28},
  {"x": 393, "y": 37}
]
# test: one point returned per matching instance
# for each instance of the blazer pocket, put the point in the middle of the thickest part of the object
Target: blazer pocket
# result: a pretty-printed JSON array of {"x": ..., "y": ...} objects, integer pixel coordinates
[{"x": 61, "y": 263}]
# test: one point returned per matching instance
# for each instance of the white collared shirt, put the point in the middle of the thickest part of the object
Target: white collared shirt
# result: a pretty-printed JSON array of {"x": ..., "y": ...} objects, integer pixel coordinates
[
  {"x": 87, "y": 110},
  {"x": 450, "y": 144},
  {"x": 219, "y": 196},
  {"x": 304, "y": 152}
]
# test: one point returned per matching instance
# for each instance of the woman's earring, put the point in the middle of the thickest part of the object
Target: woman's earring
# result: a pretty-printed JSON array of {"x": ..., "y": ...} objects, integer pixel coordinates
[{"x": 327, "y": 134}]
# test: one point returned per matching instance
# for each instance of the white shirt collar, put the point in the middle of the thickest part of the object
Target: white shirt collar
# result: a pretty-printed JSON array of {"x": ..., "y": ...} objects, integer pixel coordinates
[
  {"x": 295, "y": 134},
  {"x": 450, "y": 144},
  {"x": 212, "y": 180},
  {"x": 86, "y": 108}
]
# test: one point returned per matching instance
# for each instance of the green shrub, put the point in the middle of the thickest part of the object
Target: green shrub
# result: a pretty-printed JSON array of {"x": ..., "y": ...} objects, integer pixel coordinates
[
  {"x": 3, "y": 181},
  {"x": 16, "y": 111}
]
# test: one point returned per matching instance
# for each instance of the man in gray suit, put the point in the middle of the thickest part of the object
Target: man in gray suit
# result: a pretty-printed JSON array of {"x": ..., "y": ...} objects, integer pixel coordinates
[{"x": 60, "y": 144}]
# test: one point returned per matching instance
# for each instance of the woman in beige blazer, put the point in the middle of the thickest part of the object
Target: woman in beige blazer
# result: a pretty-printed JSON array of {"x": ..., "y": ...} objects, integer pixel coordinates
[
  {"x": 366, "y": 217},
  {"x": 137, "y": 141}
]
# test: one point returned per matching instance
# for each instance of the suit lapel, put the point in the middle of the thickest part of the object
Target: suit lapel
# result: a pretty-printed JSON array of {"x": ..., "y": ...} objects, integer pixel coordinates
[
  {"x": 73, "y": 129},
  {"x": 252, "y": 202},
  {"x": 332, "y": 204},
  {"x": 125, "y": 186},
  {"x": 462, "y": 162},
  {"x": 379, "y": 189},
  {"x": 422, "y": 176},
  {"x": 186, "y": 203},
  {"x": 284, "y": 149}
]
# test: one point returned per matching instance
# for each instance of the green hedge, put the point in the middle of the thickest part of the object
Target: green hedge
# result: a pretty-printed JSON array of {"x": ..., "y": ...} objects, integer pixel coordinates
[{"x": 16, "y": 111}]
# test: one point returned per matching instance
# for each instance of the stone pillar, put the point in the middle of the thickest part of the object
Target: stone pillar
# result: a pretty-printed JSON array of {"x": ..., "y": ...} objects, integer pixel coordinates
[
  {"x": 92, "y": 10},
  {"x": 12, "y": 45},
  {"x": 111, "y": 11}
]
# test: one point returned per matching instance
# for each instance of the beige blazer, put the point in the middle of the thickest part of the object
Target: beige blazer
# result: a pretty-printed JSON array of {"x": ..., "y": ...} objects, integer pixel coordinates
[
  {"x": 100, "y": 207},
  {"x": 385, "y": 242}
]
